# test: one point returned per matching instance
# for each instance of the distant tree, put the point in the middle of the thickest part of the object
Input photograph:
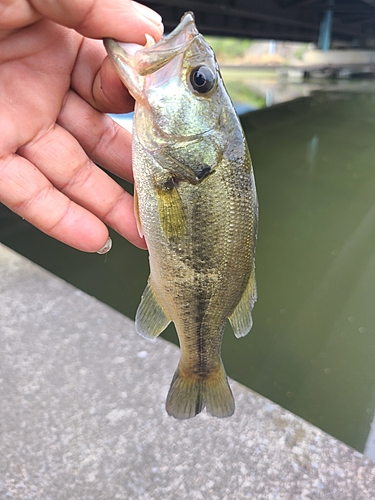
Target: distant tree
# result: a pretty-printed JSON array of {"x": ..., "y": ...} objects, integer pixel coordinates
[{"x": 227, "y": 48}]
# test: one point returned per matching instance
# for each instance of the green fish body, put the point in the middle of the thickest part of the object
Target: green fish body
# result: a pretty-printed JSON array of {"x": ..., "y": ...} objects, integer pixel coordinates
[{"x": 196, "y": 207}]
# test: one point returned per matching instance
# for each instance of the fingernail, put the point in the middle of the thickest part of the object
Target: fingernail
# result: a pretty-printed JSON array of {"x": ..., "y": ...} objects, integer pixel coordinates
[
  {"x": 149, "y": 14},
  {"x": 107, "y": 247}
]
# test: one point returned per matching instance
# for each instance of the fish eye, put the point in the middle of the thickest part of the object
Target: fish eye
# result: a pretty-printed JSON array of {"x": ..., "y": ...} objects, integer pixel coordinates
[{"x": 202, "y": 79}]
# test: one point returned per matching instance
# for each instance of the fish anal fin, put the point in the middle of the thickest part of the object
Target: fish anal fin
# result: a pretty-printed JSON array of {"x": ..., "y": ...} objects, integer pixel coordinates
[
  {"x": 188, "y": 395},
  {"x": 241, "y": 319},
  {"x": 171, "y": 212},
  {"x": 150, "y": 319}
]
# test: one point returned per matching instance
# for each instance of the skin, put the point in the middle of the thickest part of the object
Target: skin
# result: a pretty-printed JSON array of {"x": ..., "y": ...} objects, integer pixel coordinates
[{"x": 56, "y": 84}]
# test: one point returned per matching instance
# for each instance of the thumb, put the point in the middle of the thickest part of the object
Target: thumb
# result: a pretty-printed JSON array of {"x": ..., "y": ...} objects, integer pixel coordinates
[{"x": 120, "y": 19}]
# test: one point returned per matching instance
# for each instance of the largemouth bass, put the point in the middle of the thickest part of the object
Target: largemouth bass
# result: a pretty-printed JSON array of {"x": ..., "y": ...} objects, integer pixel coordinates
[{"x": 196, "y": 206}]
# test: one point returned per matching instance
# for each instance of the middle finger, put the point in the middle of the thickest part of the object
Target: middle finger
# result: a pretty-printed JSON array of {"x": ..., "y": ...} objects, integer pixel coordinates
[{"x": 59, "y": 156}]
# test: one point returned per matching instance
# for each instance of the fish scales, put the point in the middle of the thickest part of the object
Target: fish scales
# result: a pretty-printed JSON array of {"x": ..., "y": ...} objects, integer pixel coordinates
[{"x": 197, "y": 208}]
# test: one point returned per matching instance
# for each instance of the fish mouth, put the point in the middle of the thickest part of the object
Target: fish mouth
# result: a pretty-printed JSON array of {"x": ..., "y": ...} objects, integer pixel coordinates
[
  {"x": 145, "y": 60},
  {"x": 150, "y": 59}
]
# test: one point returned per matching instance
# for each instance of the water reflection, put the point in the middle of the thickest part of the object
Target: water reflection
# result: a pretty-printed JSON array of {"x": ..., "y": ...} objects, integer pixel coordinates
[
  {"x": 312, "y": 149},
  {"x": 312, "y": 347},
  {"x": 370, "y": 443}
]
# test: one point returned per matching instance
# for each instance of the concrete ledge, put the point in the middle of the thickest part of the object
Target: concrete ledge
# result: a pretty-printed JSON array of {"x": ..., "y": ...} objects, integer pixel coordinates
[{"x": 82, "y": 414}]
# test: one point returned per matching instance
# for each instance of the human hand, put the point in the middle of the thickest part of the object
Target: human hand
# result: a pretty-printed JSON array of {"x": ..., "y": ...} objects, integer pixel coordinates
[{"x": 56, "y": 85}]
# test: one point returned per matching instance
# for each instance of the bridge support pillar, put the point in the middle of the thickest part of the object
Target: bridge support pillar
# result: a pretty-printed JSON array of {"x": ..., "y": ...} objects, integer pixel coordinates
[{"x": 324, "y": 42}]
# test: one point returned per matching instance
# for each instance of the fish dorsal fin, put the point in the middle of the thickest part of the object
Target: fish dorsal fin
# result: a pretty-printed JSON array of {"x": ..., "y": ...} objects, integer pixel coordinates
[
  {"x": 241, "y": 320},
  {"x": 150, "y": 319},
  {"x": 136, "y": 213}
]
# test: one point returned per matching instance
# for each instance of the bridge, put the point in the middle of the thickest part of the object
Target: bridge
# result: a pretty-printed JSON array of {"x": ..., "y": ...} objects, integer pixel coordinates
[{"x": 338, "y": 23}]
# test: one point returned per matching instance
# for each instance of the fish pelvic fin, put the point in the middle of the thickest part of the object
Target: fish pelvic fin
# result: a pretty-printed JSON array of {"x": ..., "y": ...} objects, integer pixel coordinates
[
  {"x": 188, "y": 395},
  {"x": 150, "y": 319}
]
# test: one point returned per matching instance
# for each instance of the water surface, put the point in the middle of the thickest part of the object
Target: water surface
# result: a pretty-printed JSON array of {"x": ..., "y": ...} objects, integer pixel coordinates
[{"x": 312, "y": 347}]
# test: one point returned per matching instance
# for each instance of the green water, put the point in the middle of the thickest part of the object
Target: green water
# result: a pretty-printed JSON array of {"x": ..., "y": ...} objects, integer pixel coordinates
[{"x": 312, "y": 347}]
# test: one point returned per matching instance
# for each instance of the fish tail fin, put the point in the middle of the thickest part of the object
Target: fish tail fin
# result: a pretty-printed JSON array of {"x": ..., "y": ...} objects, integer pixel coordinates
[
  {"x": 218, "y": 395},
  {"x": 188, "y": 395}
]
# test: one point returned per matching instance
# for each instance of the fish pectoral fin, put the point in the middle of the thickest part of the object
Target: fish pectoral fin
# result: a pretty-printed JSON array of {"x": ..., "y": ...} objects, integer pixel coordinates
[
  {"x": 150, "y": 319},
  {"x": 241, "y": 320},
  {"x": 171, "y": 212}
]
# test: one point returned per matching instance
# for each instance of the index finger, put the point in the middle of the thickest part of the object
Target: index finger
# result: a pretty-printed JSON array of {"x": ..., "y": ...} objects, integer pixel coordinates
[
  {"x": 121, "y": 19},
  {"x": 104, "y": 142}
]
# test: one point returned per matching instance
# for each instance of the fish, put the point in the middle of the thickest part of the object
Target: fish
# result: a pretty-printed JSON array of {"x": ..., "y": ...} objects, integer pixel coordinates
[{"x": 196, "y": 206}]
